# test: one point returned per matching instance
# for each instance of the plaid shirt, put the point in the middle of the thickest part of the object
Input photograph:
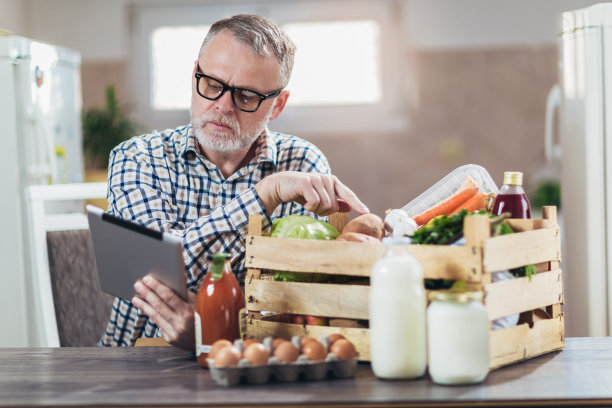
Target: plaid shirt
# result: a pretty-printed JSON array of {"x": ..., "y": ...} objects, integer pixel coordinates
[{"x": 161, "y": 181}]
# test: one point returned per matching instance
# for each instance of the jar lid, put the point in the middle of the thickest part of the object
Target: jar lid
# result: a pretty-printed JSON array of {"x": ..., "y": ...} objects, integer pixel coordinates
[
  {"x": 513, "y": 178},
  {"x": 455, "y": 296}
]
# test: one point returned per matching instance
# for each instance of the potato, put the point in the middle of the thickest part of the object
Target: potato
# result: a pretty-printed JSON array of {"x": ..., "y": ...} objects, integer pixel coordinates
[
  {"x": 369, "y": 224},
  {"x": 356, "y": 237}
]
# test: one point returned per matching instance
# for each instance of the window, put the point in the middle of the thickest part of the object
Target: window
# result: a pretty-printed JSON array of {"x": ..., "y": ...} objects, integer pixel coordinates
[
  {"x": 173, "y": 50},
  {"x": 337, "y": 63},
  {"x": 347, "y": 74}
]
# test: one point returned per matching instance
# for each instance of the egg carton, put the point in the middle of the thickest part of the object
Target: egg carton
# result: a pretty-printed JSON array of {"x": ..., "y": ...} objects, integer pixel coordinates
[{"x": 281, "y": 371}]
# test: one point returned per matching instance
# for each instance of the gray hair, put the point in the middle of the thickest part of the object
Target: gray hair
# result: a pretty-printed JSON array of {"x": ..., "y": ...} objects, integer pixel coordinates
[{"x": 262, "y": 35}]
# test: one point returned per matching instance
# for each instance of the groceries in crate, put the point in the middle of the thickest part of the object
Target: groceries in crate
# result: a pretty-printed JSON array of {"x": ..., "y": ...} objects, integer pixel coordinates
[
  {"x": 282, "y": 360},
  {"x": 397, "y": 314},
  {"x": 478, "y": 266},
  {"x": 370, "y": 225},
  {"x": 217, "y": 308}
]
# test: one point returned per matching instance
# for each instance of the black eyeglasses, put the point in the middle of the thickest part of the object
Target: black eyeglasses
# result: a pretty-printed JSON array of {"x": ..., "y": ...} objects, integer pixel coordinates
[{"x": 244, "y": 99}]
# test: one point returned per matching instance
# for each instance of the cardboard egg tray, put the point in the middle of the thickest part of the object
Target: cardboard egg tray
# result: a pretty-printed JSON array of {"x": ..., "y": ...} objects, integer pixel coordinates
[{"x": 280, "y": 371}]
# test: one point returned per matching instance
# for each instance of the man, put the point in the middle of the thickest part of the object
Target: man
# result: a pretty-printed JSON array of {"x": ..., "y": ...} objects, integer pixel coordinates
[{"x": 202, "y": 181}]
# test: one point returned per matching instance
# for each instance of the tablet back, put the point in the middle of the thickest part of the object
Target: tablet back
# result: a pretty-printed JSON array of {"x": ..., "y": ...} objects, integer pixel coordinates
[{"x": 125, "y": 251}]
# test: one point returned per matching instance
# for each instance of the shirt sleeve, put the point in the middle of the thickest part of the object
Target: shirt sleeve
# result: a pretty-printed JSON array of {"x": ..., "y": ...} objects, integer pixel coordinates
[{"x": 136, "y": 193}]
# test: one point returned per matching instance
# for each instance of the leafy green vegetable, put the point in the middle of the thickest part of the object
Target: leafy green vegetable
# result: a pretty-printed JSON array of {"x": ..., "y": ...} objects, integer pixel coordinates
[
  {"x": 302, "y": 227},
  {"x": 442, "y": 230}
]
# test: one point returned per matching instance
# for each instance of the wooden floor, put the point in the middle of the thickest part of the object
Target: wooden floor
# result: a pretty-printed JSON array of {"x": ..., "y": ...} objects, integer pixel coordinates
[{"x": 580, "y": 375}]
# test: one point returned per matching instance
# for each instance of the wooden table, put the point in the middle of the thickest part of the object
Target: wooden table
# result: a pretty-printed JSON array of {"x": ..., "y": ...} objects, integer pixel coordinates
[{"x": 581, "y": 374}]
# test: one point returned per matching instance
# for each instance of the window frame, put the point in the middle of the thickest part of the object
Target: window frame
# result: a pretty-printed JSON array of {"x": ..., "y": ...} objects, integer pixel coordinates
[{"x": 388, "y": 115}]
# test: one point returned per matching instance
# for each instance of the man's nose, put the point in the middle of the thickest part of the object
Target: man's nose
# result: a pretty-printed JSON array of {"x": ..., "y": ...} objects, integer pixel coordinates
[{"x": 225, "y": 102}]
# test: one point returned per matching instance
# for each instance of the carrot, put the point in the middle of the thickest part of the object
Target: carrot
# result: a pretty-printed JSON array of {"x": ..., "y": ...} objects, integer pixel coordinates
[
  {"x": 447, "y": 206},
  {"x": 477, "y": 202}
]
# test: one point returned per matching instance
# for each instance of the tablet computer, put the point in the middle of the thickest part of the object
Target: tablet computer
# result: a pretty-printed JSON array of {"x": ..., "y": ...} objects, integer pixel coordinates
[{"x": 125, "y": 251}]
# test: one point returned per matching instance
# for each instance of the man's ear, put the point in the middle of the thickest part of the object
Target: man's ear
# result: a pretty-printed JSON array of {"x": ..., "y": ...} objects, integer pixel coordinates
[
  {"x": 279, "y": 104},
  {"x": 195, "y": 67}
]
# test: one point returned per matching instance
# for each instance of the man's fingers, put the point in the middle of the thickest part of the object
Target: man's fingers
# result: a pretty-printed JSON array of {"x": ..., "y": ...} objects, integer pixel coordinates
[
  {"x": 343, "y": 206},
  {"x": 149, "y": 304},
  {"x": 346, "y": 194},
  {"x": 326, "y": 196},
  {"x": 166, "y": 294},
  {"x": 155, "y": 302},
  {"x": 167, "y": 310}
]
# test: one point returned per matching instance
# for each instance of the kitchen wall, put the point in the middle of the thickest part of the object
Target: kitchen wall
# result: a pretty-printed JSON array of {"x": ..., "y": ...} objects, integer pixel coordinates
[{"x": 481, "y": 71}]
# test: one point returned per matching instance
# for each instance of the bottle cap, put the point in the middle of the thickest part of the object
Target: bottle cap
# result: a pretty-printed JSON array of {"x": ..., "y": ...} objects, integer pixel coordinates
[
  {"x": 513, "y": 178},
  {"x": 456, "y": 297},
  {"x": 391, "y": 241},
  {"x": 217, "y": 266},
  {"x": 220, "y": 257}
]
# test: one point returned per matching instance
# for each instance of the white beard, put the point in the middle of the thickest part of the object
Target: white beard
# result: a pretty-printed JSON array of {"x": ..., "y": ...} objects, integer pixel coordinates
[{"x": 221, "y": 141}]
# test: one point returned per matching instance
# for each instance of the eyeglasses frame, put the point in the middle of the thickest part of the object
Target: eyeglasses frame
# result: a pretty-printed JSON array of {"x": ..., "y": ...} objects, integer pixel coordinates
[{"x": 226, "y": 87}]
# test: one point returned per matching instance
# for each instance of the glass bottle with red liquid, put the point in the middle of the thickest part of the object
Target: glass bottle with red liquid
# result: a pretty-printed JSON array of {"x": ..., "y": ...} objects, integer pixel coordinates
[
  {"x": 512, "y": 198},
  {"x": 217, "y": 307}
]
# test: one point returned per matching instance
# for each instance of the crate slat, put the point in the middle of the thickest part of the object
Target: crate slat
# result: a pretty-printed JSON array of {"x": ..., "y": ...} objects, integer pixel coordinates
[
  {"x": 259, "y": 329},
  {"x": 522, "y": 225},
  {"x": 356, "y": 259},
  {"x": 518, "y": 343},
  {"x": 517, "y": 295},
  {"x": 333, "y": 257},
  {"x": 515, "y": 250},
  {"x": 349, "y": 301}
]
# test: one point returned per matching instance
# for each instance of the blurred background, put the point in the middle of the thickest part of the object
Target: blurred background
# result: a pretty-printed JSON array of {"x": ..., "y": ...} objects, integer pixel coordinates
[{"x": 397, "y": 93}]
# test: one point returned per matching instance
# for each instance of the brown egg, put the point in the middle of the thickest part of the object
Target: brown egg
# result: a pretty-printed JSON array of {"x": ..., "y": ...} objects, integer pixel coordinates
[
  {"x": 314, "y": 350},
  {"x": 248, "y": 342},
  {"x": 286, "y": 352},
  {"x": 343, "y": 349},
  {"x": 334, "y": 336},
  {"x": 227, "y": 357},
  {"x": 277, "y": 341},
  {"x": 218, "y": 345},
  {"x": 256, "y": 353},
  {"x": 305, "y": 340}
]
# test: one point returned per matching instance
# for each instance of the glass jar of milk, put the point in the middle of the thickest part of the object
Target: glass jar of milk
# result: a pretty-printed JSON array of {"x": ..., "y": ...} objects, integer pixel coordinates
[
  {"x": 397, "y": 306},
  {"x": 458, "y": 338}
]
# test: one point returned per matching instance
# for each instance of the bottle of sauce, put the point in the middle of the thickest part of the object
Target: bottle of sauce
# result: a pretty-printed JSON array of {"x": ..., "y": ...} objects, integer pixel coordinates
[
  {"x": 458, "y": 338},
  {"x": 511, "y": 197},
  {"x": 397, "y": 308},
  {"x": 217, "y": 308}
]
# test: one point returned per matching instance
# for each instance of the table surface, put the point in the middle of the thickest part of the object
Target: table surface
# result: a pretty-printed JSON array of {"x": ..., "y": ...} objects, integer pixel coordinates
[{"x": 581, "y": 374}]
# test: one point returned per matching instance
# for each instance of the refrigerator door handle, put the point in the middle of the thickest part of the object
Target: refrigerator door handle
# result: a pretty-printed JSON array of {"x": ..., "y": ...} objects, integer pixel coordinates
[{"x": 552, "y": 150}]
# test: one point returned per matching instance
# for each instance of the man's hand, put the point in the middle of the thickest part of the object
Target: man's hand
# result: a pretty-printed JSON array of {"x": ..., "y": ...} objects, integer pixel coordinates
[
  {"x": 167, "y": 310},
  {"x": 321, "y": 194}
]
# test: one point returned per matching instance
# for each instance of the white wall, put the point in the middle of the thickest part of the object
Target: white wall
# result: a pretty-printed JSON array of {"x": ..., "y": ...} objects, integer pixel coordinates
[
  {"x": 451, "y": 24},
  {"x": 13, "y": 15},
  {"x": 99, "y": 29}
]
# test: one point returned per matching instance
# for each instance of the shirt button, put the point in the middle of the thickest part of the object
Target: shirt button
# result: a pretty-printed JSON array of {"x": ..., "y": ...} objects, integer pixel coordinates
[{"x": 224, "y": 186}]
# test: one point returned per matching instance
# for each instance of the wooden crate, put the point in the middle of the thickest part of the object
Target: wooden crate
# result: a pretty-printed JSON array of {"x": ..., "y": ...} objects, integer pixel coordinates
[{"x": 540, "y": 330}]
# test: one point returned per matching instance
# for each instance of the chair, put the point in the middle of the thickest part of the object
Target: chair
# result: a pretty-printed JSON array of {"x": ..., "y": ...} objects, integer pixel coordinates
[
  {"x": 68, "y": 307},
  {"x": 76, "y": 289}
]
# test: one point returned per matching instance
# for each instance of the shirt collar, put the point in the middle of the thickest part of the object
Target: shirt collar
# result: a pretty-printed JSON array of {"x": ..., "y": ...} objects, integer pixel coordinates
[{"x": 266, "y": 150}]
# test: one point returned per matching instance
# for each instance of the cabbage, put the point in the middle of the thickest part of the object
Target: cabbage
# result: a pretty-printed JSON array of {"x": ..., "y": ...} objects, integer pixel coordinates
[{"x": 302, "y": 227}]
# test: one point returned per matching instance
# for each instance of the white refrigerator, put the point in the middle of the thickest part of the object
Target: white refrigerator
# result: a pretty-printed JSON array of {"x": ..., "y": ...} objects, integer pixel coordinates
[
  {"x": 584, "y": 96},
  {"x": 40, "y": 130}
]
